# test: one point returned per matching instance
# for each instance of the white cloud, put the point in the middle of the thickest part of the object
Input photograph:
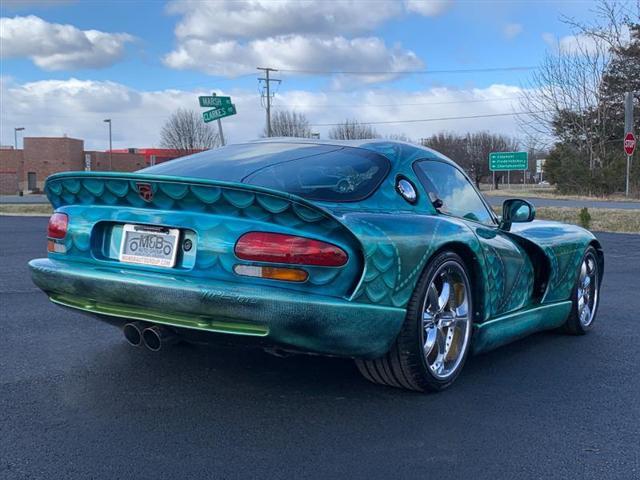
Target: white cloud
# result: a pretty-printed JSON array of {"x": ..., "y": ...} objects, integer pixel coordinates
[
  {"x": 572, "y": 44},
  {"x": 428, "y": 8},
  {"x": 292, "y": 52},
  {"x": 53, "y": 46},
  {"x": 233, "y": 37},
  {"x": 264, "y": 18},
  {"x": 77, "y": 108},
  {"x": 512, "y": 30}
]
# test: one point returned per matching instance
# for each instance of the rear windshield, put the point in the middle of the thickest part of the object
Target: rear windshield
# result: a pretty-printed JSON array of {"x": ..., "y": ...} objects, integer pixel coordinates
[{"x": 317, "y": 172}]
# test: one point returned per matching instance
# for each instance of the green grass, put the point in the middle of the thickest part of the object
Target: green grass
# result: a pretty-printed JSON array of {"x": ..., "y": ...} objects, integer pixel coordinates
[
  {"x": 551, "y": 193},
  {"x": 602, "y": 219}
]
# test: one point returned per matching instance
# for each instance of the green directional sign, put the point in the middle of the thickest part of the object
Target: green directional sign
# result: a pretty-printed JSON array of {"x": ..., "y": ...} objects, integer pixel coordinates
[
  {"x": 214, "y": 101},
  {"x": 505, "y": 161},
  {"x": 216, "y": 113}
]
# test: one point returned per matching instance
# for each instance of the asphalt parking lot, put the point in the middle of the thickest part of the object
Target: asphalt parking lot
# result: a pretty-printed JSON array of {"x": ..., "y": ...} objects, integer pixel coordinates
[{"x": 77, "y": 402}]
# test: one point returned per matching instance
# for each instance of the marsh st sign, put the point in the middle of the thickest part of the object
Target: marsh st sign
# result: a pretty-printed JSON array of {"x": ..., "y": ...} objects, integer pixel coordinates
[
  {"x": 506, "y": 161},
  {"x": 214, "y": 101}
]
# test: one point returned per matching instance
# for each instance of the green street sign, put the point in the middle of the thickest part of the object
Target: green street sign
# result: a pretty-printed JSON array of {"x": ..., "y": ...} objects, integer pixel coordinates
[
  {"x": 216, "y": 113},
  {"x": 504, "y": 161},
  {"x": 214, "y": 101}
]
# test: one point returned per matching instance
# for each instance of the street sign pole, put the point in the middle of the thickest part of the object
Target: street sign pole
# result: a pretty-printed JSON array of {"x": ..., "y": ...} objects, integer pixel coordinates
[
  {"x": 221, "y": 107},
  {"x": 628, "y": 129},
  {"x": 220, "y": 132},
  {"x": 219, "y": 126}
]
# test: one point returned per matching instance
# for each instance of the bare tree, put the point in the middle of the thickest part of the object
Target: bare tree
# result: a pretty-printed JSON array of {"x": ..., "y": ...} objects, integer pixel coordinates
[
  {"x": 400, "y": 137},
  {"x": 566, "y": 98},
  {"x": 450, "y": 144},
  {"x": 471, "y": 151},
  {"x": 479, "y": 146},
  {"x": 574, "y": 99},
  {"x": 352, "y": 130},
  {"x": 285, "y": 123},
  {"x": 186, "y": 131}
]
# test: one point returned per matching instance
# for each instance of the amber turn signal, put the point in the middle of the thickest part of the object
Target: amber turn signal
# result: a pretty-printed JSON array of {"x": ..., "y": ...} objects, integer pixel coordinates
[{"x": 273, "y": 273}]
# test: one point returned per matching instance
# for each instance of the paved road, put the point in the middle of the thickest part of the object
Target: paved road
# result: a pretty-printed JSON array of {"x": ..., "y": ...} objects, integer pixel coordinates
[
  {"x": 552, "y": 202},
  {"x": 77, "y": 402},
  {"x": 23, "y": 199}
]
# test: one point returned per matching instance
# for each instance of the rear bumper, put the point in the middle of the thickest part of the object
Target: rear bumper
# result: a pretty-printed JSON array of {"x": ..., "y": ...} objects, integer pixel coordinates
[{"x": 312, "y": 323}]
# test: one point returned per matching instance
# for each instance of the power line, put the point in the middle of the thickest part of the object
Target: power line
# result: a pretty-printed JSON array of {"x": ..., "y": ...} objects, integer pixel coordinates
[
  {"x": 433, "y": 119},
  {"x": 333, "y": 105},
  {"x": 407, "y": 72}
]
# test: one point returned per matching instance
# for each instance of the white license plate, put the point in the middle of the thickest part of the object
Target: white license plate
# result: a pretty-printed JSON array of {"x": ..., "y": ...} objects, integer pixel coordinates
[{"x": 149, "y": 245}]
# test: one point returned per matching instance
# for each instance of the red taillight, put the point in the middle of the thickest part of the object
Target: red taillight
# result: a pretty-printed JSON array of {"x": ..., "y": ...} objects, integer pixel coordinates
[
  {"x": 279, "y": 248},
  {"x": 58, "y": 225}
]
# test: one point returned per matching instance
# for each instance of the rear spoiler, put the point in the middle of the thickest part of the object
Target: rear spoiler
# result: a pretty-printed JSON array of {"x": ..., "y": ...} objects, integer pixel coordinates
[{"x": 168, "y": 192}]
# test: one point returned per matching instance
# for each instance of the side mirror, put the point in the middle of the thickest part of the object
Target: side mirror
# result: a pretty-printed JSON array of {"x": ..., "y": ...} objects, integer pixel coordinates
[{"x": 516, "y": 210}]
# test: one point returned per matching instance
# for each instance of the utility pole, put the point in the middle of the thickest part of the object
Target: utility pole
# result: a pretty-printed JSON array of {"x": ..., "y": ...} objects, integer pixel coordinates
[
  {"x": 267, "y": 82},
  {"x": 108, "y": 120}
]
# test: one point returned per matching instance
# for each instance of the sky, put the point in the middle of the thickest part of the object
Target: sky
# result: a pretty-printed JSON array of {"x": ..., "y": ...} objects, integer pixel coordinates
[{"x": 411, "y": 65}]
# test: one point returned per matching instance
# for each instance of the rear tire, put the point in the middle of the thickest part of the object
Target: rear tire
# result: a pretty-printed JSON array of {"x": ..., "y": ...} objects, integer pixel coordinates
[
  {"x": 435, "y": 338},
  {"x": 585, "y": 295}
]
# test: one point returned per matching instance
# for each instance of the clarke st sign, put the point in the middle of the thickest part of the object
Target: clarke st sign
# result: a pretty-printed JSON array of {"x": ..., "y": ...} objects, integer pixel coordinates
[{"x": 217, "y": 113}]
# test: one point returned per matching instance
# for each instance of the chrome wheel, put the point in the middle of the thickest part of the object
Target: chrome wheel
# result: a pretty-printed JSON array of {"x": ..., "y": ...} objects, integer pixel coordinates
[
  {"x": 446, "y": 320},
  {"x": 587, "y": 291}
]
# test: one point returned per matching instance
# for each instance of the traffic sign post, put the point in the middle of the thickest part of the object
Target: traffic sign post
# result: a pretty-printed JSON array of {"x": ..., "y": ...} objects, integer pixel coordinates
[
  {"x": 629, "y": 138},
  {"x": 222, "y": 108},
  {"x": 629, "y": 148},
  {"x": 540, "y": 168},
  {"x": 507, "y": 161}
]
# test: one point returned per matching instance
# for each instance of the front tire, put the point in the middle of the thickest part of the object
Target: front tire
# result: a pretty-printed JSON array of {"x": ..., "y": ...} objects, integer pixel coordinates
[
  {"x": 435, "y": 339},
  {"x": 585, "y": 294}
]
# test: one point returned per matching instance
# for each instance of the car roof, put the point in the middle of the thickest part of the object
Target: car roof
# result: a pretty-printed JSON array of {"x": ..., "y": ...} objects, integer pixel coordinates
[{"x": 398, "y": 152}]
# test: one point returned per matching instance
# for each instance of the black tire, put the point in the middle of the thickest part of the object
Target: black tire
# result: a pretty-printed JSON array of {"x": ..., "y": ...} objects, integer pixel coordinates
[
  {"x": 574, "y": 325},
  {"x": 405, "y": 365}
]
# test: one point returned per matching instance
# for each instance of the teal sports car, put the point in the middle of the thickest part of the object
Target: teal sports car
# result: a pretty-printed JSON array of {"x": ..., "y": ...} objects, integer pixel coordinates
[{"x": 375, "y": 250}]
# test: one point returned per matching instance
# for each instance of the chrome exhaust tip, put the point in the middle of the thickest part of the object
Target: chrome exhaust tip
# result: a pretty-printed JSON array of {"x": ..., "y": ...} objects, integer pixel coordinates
[
  {"x": 156, "y": 337},
  {"x": 133, "y": 333}
]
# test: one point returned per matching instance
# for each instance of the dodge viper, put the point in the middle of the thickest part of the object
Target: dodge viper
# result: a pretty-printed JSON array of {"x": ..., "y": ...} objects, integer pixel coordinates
[{"x": 375, "y": 250}]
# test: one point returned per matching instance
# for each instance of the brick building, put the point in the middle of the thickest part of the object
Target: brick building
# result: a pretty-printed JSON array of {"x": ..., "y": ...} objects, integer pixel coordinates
[{"x": 26, "y": 170}]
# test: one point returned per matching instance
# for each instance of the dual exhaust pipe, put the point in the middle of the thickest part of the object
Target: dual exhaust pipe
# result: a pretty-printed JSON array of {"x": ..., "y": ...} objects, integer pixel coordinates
[{"x": 153, "y": 337}]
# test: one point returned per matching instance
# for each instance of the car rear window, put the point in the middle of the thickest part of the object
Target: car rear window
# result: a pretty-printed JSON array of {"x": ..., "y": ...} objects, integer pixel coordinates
[
  {"x": 316, "y": 172},
  {"x": 342, "y": 175}
]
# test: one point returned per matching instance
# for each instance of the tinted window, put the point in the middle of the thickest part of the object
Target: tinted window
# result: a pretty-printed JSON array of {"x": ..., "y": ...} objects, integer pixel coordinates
[
  {"x": 458, "y": 196},
  {"x": 235, "y": 162},
  {"x": 343, "y": 175},
  {"x": 317, "y": 172}
]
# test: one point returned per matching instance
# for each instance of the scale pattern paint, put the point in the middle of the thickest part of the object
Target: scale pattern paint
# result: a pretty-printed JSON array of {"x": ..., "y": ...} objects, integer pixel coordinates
[{"x": 356, "y": 310}]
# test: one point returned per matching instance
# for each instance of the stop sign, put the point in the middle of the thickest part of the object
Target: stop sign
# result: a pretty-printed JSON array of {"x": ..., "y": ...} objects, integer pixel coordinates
[{"x": 629, "y": 143}]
